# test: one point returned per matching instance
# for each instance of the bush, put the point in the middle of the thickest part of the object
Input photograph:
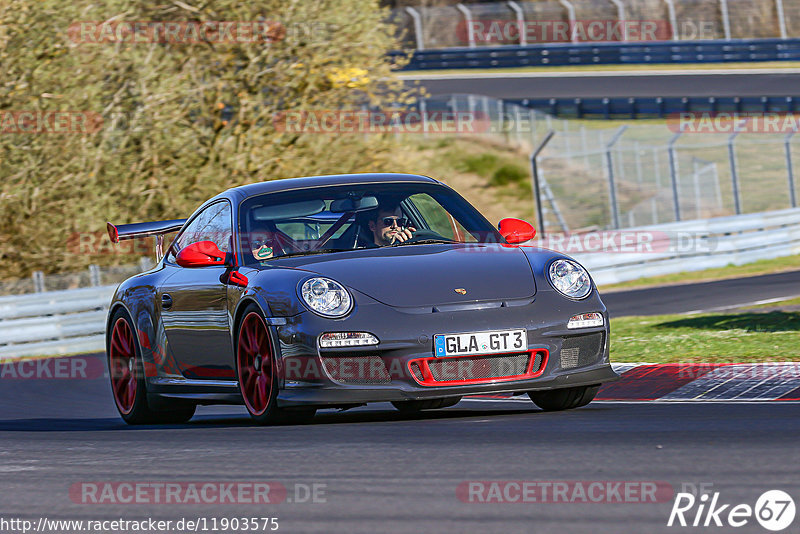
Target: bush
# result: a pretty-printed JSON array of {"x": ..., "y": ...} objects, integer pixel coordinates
[
  {"x": 181, "y": 122},
  {"x": 509, "y": 173},
  {"x": 481, "y": 164}
]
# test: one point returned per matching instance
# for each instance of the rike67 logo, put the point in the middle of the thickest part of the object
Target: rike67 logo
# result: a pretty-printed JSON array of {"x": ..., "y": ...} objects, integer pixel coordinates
[{"x": 774, "y": 510}]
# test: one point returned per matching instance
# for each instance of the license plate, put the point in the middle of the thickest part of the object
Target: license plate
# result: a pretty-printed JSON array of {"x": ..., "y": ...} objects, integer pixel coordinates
[{"x": 480, "y": 343}]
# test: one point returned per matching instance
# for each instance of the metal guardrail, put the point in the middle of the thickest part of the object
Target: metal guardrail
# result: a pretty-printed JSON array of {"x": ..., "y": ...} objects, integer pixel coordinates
[
  {"x": 73, "y": 321},
  {"x": 706, "y": 244},
  {"x": 54, "y": 322},
  {"x": 612, "y": 53}
]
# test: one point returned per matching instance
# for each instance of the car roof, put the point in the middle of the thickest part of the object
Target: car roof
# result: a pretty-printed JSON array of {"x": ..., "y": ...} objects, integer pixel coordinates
[{"x": 288, "y": 184}]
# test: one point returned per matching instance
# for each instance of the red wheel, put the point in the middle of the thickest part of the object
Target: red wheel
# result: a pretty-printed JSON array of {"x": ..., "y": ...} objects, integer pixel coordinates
[
  {"x": 127, "y": 379},
  {"x": 255, "y": 364},
  {"x": 122, "y": 366},
  {"x": 258, "y": 375}
]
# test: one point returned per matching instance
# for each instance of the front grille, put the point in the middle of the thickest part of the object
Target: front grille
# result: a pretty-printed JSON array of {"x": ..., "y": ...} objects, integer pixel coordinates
[
  {"x": 361, "y": 369},
  {"x": 478, "y": 367},
  {"x": 578, "y": 351}
]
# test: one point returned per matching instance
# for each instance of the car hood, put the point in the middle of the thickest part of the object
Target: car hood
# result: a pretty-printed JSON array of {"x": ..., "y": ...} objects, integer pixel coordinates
[{"x": 427, "y": 275}]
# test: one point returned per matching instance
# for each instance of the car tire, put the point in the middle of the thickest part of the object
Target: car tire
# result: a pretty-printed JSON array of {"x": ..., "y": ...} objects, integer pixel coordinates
[
  {"x": 413, "y": 406},
  {"x": 256, "y": 372},
  {"x": 128, "y": 384},
  {"x": 564, "y": 399}
]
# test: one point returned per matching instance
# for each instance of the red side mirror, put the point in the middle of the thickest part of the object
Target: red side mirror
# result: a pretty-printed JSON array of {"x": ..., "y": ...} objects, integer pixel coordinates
[
  {"x": 200, "y": 254},
  {"x": 516, "y": 231}
]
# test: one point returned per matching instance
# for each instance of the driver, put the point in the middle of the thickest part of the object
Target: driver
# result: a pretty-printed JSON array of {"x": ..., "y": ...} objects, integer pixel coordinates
[
  {"x": 389, "y": 226},
  {"x": 260, "y": 245}
]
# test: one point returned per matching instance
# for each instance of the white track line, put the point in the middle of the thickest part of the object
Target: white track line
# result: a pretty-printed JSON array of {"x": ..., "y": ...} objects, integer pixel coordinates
[{"x": 734, "y": 306}]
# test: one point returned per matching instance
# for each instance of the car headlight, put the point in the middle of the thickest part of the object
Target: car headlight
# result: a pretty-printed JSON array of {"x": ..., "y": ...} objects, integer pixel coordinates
[
  {"x": 569, "y": 279},
  {"x": 326, "y": 297}
]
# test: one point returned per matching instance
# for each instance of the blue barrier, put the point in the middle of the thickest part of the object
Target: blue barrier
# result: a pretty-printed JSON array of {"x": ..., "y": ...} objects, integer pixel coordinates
[
  {"x": 615, "y": 53},
  {"x": 640, "y": 108}
]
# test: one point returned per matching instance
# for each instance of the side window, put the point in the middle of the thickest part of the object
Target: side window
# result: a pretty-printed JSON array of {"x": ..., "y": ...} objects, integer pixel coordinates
[
  {"x": 438, "y": 218},
  {"x": 212, "y": 224}
]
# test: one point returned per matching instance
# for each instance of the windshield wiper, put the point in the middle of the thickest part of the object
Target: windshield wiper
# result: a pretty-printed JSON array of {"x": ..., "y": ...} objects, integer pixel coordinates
[
  {"x": 424, "y": 242},
  {"x": 309, "y": 252}
]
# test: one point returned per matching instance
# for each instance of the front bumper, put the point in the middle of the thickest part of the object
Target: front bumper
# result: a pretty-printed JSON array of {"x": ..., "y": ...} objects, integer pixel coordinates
[{"x": 573, "y": 357}]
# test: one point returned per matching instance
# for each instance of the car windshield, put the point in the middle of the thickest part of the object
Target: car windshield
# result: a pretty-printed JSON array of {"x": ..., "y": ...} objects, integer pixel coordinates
[{"x": 343, "y": 218}]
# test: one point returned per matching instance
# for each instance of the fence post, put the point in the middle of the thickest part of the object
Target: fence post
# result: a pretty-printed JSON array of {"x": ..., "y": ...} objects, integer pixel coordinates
[
  {"x": 696, "y": 179},
  {"x": 781, "y": 18},
  {"x": 726, "y": 20},
  {"x": 417, "y": 18},
  {"x": 537, "y": 193},
  {"x": 423, "y": 110},
  {"x": 673, "y": 174},
  {"x": 572, "y": 19},
  {"x": 734, "y": 177},
  {"x": 787, "y": 144},
  {"x": 673, "y": 19},
  {"x": 38, "y": 282},
  {"x": 612, "y": 188},
  {"x": 523, "y": 38},
  {"x": 621, "y": 18},
  {"x": 468, "y": 18}
]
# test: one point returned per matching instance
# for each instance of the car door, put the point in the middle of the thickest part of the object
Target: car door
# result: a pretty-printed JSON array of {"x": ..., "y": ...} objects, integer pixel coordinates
[{"x": 194, "y": 300}]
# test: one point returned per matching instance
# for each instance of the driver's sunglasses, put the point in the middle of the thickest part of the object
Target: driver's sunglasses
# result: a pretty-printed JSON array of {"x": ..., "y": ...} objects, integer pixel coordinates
[
  {"x": 402, "y": 222},
  {"x": 258, "y": 243}
]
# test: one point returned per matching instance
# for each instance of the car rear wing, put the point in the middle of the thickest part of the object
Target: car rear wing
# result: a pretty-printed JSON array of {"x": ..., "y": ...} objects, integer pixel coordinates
[{"x": 123, "y": 232}]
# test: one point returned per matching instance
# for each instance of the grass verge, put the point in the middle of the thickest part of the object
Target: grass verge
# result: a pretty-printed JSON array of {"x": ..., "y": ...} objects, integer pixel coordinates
[{"x": 748, "y": 336}]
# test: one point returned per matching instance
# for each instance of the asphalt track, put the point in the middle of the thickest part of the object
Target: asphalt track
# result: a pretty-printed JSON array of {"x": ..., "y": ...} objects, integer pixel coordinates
[
  {"x": 380, "y": 471},
  {"x": 614, "y": 84},
  {"x": 713, "y": 296}
]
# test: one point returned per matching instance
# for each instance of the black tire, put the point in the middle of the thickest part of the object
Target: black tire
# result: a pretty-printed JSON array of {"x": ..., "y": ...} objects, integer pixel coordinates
[
  {"x": 413, "y": 406},
  {"x": 139, "y": 412},
  {"x": 270, "y": 413},
  {"x": 564, "y": 399}
]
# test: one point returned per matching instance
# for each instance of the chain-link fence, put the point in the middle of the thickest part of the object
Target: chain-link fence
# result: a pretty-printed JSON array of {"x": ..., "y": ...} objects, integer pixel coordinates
[
  {"x": 549, "y": 21},
  {"x": 593, "y": 176}
]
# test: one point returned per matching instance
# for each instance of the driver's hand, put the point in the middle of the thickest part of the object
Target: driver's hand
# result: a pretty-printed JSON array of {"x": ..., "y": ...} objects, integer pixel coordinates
[{"x": 403, "y": 235}]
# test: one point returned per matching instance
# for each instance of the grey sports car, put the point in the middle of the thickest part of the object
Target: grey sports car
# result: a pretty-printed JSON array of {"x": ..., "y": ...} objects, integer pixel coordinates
[{"x": 334, "y": 291}]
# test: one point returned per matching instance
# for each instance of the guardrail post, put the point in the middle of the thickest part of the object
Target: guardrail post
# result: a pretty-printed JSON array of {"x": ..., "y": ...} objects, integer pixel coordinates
[
  {"x": 94, "y": 275},
  {"x": 621, "y": 17},
  {"x": 781, "y": 18},
  {"x": 673, "y": 19},
  {"x": 468, "y": 18},
  {"x": 537, "y": 193},
  {"x": 573, "y": 24},
  {"x": 734, "y": 177},
  {"x": 612, "y": 188},
  {"x": 38, "y": 282},
  {"x": 417, "y": 18},
  {"x": 673, "y": 175},
  {"x": 787, "y": 144},
  {"x": 726, "y": 20},
  {"x": 523, "y": 38}
]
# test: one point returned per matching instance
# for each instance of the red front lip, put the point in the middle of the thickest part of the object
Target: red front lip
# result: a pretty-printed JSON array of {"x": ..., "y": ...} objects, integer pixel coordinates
[{"x": 429, "y": 380}]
